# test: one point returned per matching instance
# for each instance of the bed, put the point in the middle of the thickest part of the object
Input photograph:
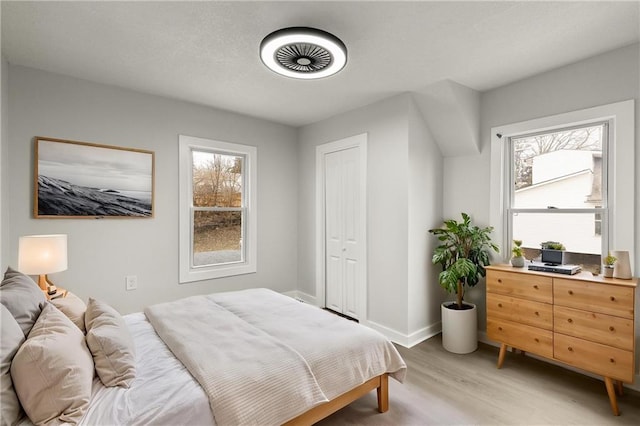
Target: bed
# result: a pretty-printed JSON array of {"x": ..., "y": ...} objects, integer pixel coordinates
[{"x": 324, "y": 362}]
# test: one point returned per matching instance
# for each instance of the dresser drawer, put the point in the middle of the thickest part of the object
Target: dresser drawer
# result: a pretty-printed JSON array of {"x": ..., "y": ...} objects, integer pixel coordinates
[
  {"x": 596, "y": 327},
  {"x": 594, "y": 357},
  {"x": 596, "y": 297},
  {"x": 523, "y": 311},
  {"x": 528, "y": 286},
  {"x": 527, "y": 338}
]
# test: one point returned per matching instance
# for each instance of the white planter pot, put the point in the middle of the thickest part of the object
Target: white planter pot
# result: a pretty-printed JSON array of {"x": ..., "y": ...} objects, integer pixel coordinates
[{"x": 459, "y": 329}]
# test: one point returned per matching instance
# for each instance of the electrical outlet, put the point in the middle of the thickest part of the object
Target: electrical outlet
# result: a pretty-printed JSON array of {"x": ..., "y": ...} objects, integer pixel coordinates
[{"x": 131, "y": 282}]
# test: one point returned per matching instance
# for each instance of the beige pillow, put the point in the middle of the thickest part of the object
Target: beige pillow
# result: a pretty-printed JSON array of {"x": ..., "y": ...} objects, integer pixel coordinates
[
  {"x": 22, "y": 297},
  {"x": 53, "y": 370},
  {"x": 111, "y": 344},
  {"x": 73, "y": 307},
  {"x": 10, "y": 341}
]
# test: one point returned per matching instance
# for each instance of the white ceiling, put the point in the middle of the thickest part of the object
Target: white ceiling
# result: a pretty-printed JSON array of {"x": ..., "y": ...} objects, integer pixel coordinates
[{"x": 207, "y": 52}]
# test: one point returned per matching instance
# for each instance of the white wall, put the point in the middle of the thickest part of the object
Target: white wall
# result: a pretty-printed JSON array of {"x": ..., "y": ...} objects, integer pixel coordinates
[
  {"x": 102, "y": 252},
  {"x": 425, "y": 212},
  {"x": 390, "y": 265},
  {"x": 604, "y": 79}
]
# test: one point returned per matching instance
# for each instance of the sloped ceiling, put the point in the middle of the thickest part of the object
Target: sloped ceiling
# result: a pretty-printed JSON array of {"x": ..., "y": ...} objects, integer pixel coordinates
[{"x": 452, "y": 112}]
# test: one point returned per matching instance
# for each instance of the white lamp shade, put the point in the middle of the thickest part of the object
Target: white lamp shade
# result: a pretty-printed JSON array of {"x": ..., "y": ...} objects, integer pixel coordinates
[{"x": 42, "y": 254}]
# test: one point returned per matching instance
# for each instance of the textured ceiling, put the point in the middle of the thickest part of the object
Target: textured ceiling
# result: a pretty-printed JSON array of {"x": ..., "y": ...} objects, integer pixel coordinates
[{"x": 207, "y": 52}]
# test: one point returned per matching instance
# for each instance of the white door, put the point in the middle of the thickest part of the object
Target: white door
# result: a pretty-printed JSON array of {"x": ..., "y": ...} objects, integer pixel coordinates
[{"x": 343, "y": 239}]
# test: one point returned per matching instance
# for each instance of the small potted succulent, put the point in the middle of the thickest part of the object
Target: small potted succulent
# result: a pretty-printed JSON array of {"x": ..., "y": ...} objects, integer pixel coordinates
[
  {"x": 518, "y": 255},
  {"x": 608, "y": 262}
]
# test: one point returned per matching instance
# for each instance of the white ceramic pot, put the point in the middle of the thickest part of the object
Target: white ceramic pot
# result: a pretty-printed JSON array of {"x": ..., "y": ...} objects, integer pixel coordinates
[
  {"x": 517, "y": 262},
  {"x": 459, "y": 329}
]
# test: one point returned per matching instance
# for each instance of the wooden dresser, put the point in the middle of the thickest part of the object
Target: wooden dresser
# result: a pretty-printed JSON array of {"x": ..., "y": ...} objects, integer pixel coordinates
[{"x": 580, "y": 320}]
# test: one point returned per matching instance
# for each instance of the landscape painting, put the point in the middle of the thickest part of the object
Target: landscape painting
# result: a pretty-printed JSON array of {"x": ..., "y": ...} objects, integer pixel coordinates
[{"x": 86, "y": 180}]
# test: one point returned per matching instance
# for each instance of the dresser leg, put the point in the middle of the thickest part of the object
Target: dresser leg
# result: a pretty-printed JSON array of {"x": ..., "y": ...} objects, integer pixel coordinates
[
  {"x": 503, "y": 352},
  {"x": 612, "y": 395},
  {"x": 619, "y": 388}
]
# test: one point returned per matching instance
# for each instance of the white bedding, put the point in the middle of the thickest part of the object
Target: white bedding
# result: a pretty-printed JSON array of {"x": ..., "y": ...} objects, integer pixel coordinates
[
  {"x": 294, "y": 356},
  {"x": 163, "y": 393}
]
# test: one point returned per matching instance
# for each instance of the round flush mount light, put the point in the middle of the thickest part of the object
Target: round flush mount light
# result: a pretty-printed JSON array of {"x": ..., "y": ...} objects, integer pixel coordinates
[{"x": 302, "y": 52}]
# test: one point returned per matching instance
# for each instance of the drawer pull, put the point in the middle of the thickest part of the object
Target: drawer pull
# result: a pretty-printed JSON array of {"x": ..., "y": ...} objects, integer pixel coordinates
[
  {"x": 611, "y": 360},
  {"x": 499, "y": 305},
  {"x": 570, "y": 349},
  {"x": 570, "y": 291},
  {"x": 611, "y": 328},
  {"x": 535, "y": 286},
  {"x": 613, "y": 299},
  {"x": 500, "y": 328},
  {"x": 569, "y": 320},
  {"x": 537, "y": 340},
  {"x": 537, "y": 313},
  {"x": 499, "y": 280}
]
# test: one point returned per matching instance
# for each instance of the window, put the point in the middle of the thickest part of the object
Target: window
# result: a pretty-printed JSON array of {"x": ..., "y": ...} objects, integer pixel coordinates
[
  {"x": 558, "y": 188},
  {"x": 217, "y": 209},
  {"x": 578, "y": 193}
]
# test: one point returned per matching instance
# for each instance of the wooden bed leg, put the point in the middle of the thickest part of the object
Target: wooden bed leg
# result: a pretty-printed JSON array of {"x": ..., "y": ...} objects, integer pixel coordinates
[
  {"x": 383, "y": 394},
  {"x": 612, "y": 395},
  {"x": 503, "y": 352}
]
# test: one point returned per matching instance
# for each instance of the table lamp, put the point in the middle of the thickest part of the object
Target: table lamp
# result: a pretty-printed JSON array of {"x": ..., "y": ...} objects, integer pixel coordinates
[{"x": 41, "y": 255}]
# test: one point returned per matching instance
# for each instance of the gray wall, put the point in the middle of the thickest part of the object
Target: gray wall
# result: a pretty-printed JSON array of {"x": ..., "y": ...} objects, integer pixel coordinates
[
  {"x": 395, "y": 132},
  {"x": 102, "y": 252},
  {"x": 4, "y": 158},
  {"x": 604, "y": 79}
]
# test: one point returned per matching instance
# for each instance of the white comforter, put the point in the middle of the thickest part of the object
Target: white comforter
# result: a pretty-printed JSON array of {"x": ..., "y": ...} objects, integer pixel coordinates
[{"x": 295, "y": 355}]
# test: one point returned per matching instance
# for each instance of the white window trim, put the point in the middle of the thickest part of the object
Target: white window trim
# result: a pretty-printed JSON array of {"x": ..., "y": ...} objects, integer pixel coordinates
[
  {"x": 620, "y": 170},
  {"x": 188, "y": 274}
]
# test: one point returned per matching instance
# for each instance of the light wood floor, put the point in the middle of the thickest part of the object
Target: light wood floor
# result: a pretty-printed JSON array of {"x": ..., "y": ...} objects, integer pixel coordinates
[{"x": 449, "y": 389}]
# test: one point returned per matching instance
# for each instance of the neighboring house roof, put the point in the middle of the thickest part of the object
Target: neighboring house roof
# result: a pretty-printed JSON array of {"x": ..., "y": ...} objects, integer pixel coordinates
[{"x": 554, "y": 180}]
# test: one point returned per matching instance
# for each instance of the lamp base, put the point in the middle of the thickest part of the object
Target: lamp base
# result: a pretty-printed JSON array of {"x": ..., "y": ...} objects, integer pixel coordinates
[{"x": 46, "y": 285}]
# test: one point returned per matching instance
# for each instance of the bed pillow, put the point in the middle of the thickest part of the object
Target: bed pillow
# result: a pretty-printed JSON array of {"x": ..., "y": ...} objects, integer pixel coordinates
[
  {"x": 73, "y": 307},
  {"x": 111, "y": 344},
  {"x": 22, "y": 297},
  {"x": 10, "y": 341},
  {"x": 53, "y": 370}
]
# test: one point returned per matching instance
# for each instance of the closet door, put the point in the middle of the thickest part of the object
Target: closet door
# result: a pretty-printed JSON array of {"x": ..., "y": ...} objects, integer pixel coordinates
[{"x": 342, "y": 231}]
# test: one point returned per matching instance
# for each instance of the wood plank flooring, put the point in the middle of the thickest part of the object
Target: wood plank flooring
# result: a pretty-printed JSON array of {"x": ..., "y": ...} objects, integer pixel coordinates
[{"x": 449, "y": 389}]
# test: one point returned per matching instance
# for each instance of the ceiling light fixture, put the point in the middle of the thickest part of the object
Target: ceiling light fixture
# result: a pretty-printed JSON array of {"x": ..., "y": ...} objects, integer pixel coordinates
[{"x": 301, "y": 52}]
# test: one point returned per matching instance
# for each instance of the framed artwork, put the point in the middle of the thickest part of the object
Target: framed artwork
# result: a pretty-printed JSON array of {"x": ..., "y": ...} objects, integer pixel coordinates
[{"x": 86, "y": 180}]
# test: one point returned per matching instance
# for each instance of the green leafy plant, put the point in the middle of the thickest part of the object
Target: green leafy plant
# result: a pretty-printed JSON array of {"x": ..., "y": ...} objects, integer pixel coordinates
[
  {"x": 517, "y": 251},
  {"x": 609, "y": 260},
  {"x": 552, "y": 245},
  {"x": 463, "y": 253}
]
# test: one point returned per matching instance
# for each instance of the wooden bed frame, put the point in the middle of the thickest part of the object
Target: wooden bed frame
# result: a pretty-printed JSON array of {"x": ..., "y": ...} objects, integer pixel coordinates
[{"x": 319, "y": 412}]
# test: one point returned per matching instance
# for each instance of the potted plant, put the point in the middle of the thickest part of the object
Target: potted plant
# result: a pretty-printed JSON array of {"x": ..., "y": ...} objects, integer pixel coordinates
[
  {"x": 518, "y": 254},
  {"x": 463, "y": 253},
  {"x": 608, "y": 261}
]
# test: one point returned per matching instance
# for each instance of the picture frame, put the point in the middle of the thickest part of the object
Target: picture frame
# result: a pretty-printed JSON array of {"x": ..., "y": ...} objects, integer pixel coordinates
[{"x": 83, "y": 180}]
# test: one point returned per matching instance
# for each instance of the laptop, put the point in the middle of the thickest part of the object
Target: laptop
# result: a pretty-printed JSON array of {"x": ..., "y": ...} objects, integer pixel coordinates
[{"x": 566, "y": 269}]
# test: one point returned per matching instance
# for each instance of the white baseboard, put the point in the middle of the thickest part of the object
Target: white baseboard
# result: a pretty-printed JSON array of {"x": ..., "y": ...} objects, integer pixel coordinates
[
  {"x": 406, "y": 340},
  {"x": 482, "y": 337},
  {"x": 301, "y": 296}
]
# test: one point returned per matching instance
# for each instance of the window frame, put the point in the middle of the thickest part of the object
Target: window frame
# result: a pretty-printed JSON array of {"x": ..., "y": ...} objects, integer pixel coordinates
[
  {"x": 620, "y": 166},
  {"x": 603, "y": 210},
  {"x": 189, "y": 272}
]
